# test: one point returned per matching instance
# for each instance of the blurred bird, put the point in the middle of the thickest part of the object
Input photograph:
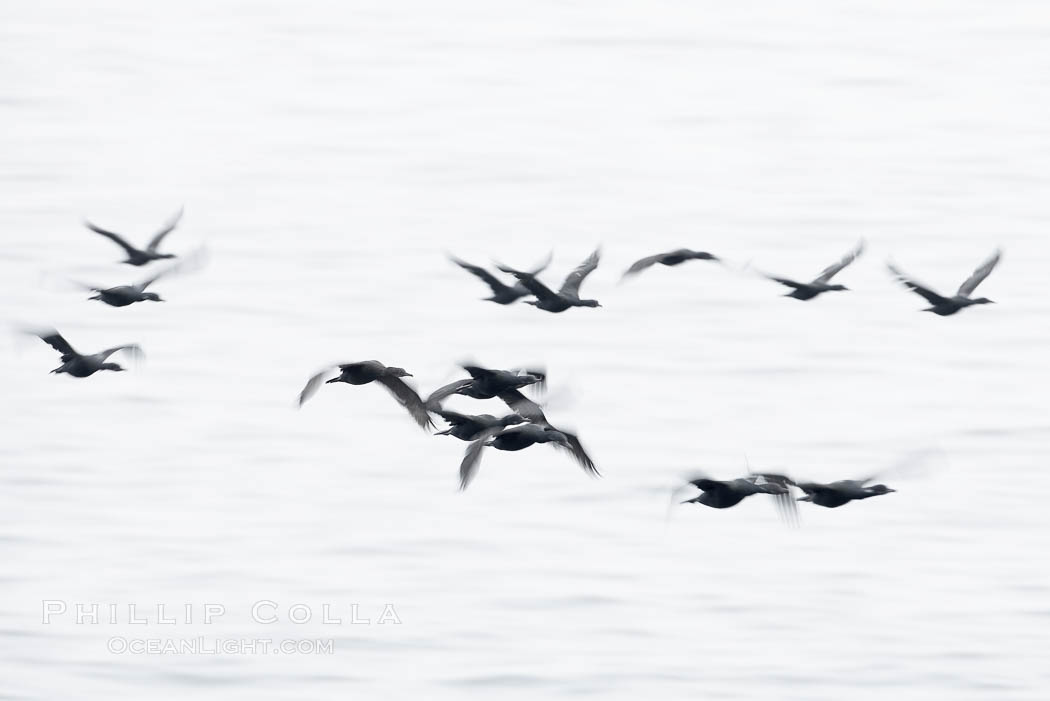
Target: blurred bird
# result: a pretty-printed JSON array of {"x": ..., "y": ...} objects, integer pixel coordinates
[
  {"x": 946, "y": 306},
  {"x": 672, "y": 258},
  {"x": 501, "y": 293},
  {"x": 124, "y": 295},
  {"x": 137, "y": 256},
  {"x": 821, "y": 283},
  {"x": 486, "y": 384},
  {"x": 469, "y": 428},
  {"x": 519, "y": 438},
  {"x": 719, "y": 494},
  {"x": 842, "y": 492},
  {"x": 78, "y": 365},
  {"x": 566, "y": 297},
  {"x": 364, "y": 372}
]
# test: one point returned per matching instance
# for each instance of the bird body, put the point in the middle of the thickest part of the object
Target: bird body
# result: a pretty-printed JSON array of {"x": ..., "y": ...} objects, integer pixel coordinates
[
  {"x": 518, "y": 438},
  {"x": 671, "y": 258},
  {"x": 485, "y": 384},
  {"x": 946, "y": 306},
  {"x": 501, "y": 293},
  {"x": 124, "y": 295},
  {"x": 836, "y": 494},
  {"x": 568, "y": 296},
  {"x": 139, "y": 256},
  {"x": 469, "y": 428},
  {"x": 822, "y": 283},
  {"x": 78, "y": 365},
  {"x": 364, "y": 372}
]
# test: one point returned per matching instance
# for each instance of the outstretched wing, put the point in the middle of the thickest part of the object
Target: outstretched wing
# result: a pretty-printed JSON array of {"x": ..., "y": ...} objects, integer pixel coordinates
[
  {"x": 441, "y": 393},
  {"x": 575, "y": 448},
  {"x": 54, "y": 339},
  {"x": 643, "y": 263},
  {"x": 967, "y": 288},
  {"x": 833, "y": 269},
  {"x": 485, "y": 276},
  {"x": 468, "y": 468},
  {"x": 115, "y": 238},
  {"x": 168, "y": 228},
  {"x": 133, "y": 349},
  {"x": 787, "y": 281},
  {"x": 524, "y": 406},
  {"x": 530, "y": 283},
  {"x": 314, "y": 384},
  {"x": 925, "y": 292},
  {"x": 407, "y": 397},
  {"x": 571, "y": 286}
]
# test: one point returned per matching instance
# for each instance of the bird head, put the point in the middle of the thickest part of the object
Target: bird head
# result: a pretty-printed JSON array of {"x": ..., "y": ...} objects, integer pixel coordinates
[
  {"x": 397, "y": 372},
  {"x": 115, "y": 367},
  {"x": 983, "y": 300},
  {"x": 838, "y": 288},
  {"x": 880, "y": 489},
  {"x": 151, "y": 296},
  {"x": 589, "y": 303}
]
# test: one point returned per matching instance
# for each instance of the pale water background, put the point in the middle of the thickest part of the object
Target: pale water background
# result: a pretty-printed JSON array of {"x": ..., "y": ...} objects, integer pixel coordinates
[{"x": 329, "y": 154}]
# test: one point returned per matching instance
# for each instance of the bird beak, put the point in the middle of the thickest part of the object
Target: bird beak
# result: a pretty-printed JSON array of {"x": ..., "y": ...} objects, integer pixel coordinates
[
  {"x": 805, "y": 498},
  {"x": 408, "y": 374},
  {"x": 890, "y": 490}
]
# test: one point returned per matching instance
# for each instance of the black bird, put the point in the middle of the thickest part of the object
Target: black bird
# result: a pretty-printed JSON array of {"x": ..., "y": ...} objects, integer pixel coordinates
[
  {"x": 842, "y": 492},
  {"x": 137, "y": 256},
  {"x": 821, "y": 283},
  {"x": 367, "y": 371},
  {"x": 519, "y": 438},
  {"x": 722, "y": 494},
  {"x": 501, "y": 293},
  {"x": 486, "y": 384},
  {"x": 946, "y": 306},
  {"x": 566, "y": 297},
  {"x": 469, "y": 428},
  {"x": 538, "y": 430},
  {"x": 78, "y": 365},
  {"x": 672, "y": 258},
  {"x": 124, "y": 295}
]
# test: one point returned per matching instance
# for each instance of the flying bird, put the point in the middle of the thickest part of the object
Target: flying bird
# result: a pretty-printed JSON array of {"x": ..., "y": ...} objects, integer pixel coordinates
[
  {"x": 469, "y": 428},
  {"x": 946, "y": 306},
  {"x": 822, "y": 283},
  {"x": 78, "y": 365},
  {"x": 501, "y": 293},
  {"x": 138, "y": 256},
  {"x": 842, "y": 492},
  {"x": 672, "y": 258},
  {"x": 519, "y": 438},
  {"x": 567, "y": 296},
  {"x": 722, "y": 494},
  {"x": 486, "y": 384},
  {"x": 362, "y": 373},
  {"x": 124, "y": 295}
]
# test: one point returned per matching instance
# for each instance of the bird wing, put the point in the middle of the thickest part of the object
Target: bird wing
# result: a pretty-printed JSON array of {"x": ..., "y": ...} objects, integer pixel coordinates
[
  {"x": 832, "y": 270},
  {"x": 985, "y": 269},
  {"x": 115, "y": 238},
  {"x": 435, "y": 398},
  {"x": 787, "y": 281},
  {"x": 54, "y": 339},
  {"x": 408, "y": 398},
  {"x": 468, "y": 468},
  {"x": 314, "y": 383},
  {"x": 643, "y": 263},
  {"x": 454, "y": 418},
  {"x": 168, "y": 228},
  {"x": 707, "y": 484},
  {"x": 925, "y": 292},
  {"x": 485, "y": 276},
  {"x": 193, "y": 261},
  {"x": 575, "y": 448},
  {"x": 133, "y": 349},
  {"x": 531, "y": 283},
  {"x": 571, "y": 286},
  {"x": 524, "y": 406}
]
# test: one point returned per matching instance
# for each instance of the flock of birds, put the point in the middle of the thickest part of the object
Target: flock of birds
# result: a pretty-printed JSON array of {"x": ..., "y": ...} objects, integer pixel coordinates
[{"x": 526, "y": 424}]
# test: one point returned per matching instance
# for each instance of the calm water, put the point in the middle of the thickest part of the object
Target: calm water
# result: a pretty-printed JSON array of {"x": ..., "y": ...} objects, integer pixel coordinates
[{"x": 329, "y": 154}]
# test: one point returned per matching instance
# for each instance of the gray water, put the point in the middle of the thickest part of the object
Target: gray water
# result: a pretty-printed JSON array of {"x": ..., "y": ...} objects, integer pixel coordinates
[{"x": 330, "y": 154}]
